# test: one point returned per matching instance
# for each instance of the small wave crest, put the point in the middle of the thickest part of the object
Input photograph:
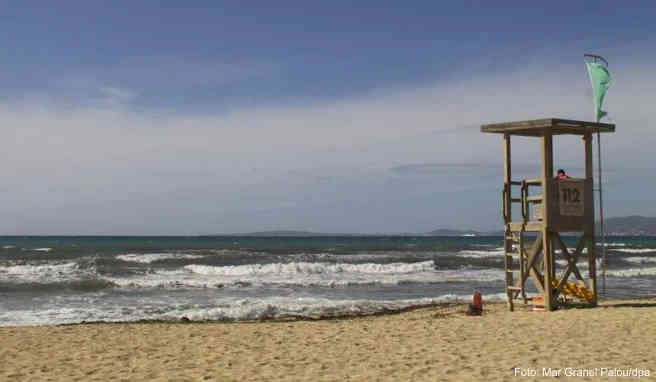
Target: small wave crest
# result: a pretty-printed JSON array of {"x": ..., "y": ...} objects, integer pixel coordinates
[
  {"x": 632, "y": 272},
  {"x": 496, "y": 252},
  {"x": 640, "y": 259},
  {"x": 635, "y": 250},
  {"x": 48, "y": 273},
  {"x": 147, "y": 258}
]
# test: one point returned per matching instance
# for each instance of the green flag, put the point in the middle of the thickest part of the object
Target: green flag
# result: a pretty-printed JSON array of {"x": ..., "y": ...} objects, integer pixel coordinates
[{"x": 600, "y": 79}]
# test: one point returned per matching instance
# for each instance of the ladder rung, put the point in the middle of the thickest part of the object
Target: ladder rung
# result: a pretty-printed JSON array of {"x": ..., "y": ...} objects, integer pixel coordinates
[
  {"x": 536, "y": 198},
  {"x": 534, "y": 181},
  {"x": 513, "y": 288}
]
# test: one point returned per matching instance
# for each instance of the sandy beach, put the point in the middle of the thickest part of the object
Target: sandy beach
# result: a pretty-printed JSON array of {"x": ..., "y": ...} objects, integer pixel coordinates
[{"x": 429, "y": 344}]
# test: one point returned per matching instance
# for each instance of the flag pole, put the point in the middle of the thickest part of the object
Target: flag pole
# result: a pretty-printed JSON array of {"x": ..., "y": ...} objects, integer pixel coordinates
[
  {"x": 601, "y": 218},
  {"x": 596, "y": 58}
]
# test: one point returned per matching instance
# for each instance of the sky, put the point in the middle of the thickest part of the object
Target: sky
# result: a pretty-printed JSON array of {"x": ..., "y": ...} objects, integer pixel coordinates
[{"x": 157, "y": 118}]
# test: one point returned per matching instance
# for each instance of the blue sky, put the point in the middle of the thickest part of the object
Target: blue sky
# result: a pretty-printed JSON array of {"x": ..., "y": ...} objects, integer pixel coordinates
[{"x": 222, "y": 117}]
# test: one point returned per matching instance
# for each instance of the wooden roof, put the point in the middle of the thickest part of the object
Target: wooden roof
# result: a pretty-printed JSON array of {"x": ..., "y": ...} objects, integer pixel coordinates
[{"x": 537, "y": 127}]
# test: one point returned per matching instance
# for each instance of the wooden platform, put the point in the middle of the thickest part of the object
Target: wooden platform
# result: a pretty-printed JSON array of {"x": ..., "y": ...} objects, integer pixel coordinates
[{"x": 538, "y": 127}]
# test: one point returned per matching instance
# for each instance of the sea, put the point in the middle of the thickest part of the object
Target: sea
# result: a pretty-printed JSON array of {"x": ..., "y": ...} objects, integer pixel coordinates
[{"x": 62, "y": 280}]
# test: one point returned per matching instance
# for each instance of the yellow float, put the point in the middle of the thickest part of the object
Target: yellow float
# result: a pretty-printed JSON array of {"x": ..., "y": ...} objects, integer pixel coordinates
[{"x": 575, "y": 290}]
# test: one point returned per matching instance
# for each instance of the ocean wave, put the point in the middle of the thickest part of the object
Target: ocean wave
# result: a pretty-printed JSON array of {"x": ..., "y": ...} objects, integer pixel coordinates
[
  {"x": 635, "y": 250},
  {"x": 497, "y": 252},
  {"x": 613, "y": 244},
  {"x": 581, "y": 263},
  {"x": 82, "y": 285},
  {"x": 291, "y": 308},
  {"x": 41, "y": 249},
  {"x": 227, "y": 309},
  {"x": 41, "y": 273},
  {"x": 640, "y": 259},
  {"x": 147, "y": 258},
  {"x": 632, "y": 272},
  {"x": 311, "y": 268},
  {"x": 305, "y": 275}
]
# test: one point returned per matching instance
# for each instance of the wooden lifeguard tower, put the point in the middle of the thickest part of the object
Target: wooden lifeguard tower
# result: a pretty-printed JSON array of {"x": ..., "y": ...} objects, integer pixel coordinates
[{"x": 559, "y": 206}]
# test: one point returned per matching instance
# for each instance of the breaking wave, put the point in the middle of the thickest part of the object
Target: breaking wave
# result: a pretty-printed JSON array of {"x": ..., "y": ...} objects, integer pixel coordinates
[
  {"x": 306, "y": 275},
  {"x": 635, "y": 250},
  {"x": 147, "y": 258},
  {"x": 230, "y": 309},
  {"x": 312, "y": 268},
  {"x": 496, "y": 252}
]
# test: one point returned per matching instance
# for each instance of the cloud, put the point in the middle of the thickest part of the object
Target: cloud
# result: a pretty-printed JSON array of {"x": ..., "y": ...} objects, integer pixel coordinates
[
  {"x": 118, "y": 95},
  {"x": 366, "y": 163}
]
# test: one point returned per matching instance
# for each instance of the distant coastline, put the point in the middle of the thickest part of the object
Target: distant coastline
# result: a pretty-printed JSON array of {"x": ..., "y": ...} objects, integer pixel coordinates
[{"x": 634, "y": 225}]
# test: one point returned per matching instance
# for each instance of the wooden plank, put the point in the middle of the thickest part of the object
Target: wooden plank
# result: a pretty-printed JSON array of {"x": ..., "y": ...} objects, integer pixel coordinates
[
  {"x": 571, "y": 258},
  {"x": 530, "y": 226},
  {"x": 535, "y": 123},
  {"x": 603, "y": 127},
  {"x": 533, "y": 255},
  {"x": 539, "y": 126},
  {"x": 538, "y": 280},
  {"x": 571, "y": 264},
  {"x": 522, "y": 255},
  {"x": 547, "y": 247},
  {"x": 534, "y": 181},
  {"x": 507, "y": 177}
]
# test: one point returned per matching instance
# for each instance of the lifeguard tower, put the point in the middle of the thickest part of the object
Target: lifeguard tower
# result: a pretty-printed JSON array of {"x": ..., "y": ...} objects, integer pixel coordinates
[{"x": 549, "y": 207}]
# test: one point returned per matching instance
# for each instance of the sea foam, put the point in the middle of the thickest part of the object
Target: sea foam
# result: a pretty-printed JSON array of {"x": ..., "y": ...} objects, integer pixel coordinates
[
  {"x": 312, "y": 268},
  {"x": 496, "y": 252},
  {"x": 640, "y": 259},
  {"x": 305, "y": 275},
  {"x": 225, "y": 309},
  {"x": 147, "y": 258},
  {"x": 41, "y": 273},
  {"x": 635, "y": 250}
]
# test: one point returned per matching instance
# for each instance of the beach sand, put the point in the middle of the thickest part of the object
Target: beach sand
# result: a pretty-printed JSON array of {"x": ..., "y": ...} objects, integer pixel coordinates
[{"x": 429, "y": 344}]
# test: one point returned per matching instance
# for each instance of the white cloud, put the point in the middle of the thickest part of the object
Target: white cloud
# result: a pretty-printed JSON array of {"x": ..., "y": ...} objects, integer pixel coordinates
[{"x": 108, "y": 168}]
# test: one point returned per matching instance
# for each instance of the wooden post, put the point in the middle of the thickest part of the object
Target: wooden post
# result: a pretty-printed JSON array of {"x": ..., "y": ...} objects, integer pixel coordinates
[
  {"x": 547, "y": 247},
  {"x": 507, "y": 174},
  {"x": 507, "y": 244},
  {"x": 589, "y": 229}
]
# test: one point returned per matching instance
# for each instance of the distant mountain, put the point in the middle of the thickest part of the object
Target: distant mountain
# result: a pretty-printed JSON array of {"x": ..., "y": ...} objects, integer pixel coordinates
[
  {"x": 629, "y": 226},
  {"x": 454, "y": 232},
  {"x": 618, "y": 226},
  {"x": 281, "y": 233}
]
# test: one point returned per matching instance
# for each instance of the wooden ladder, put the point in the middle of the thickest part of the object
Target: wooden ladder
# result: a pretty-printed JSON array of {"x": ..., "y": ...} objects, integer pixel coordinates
[{"x": 514, "y": 264}]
